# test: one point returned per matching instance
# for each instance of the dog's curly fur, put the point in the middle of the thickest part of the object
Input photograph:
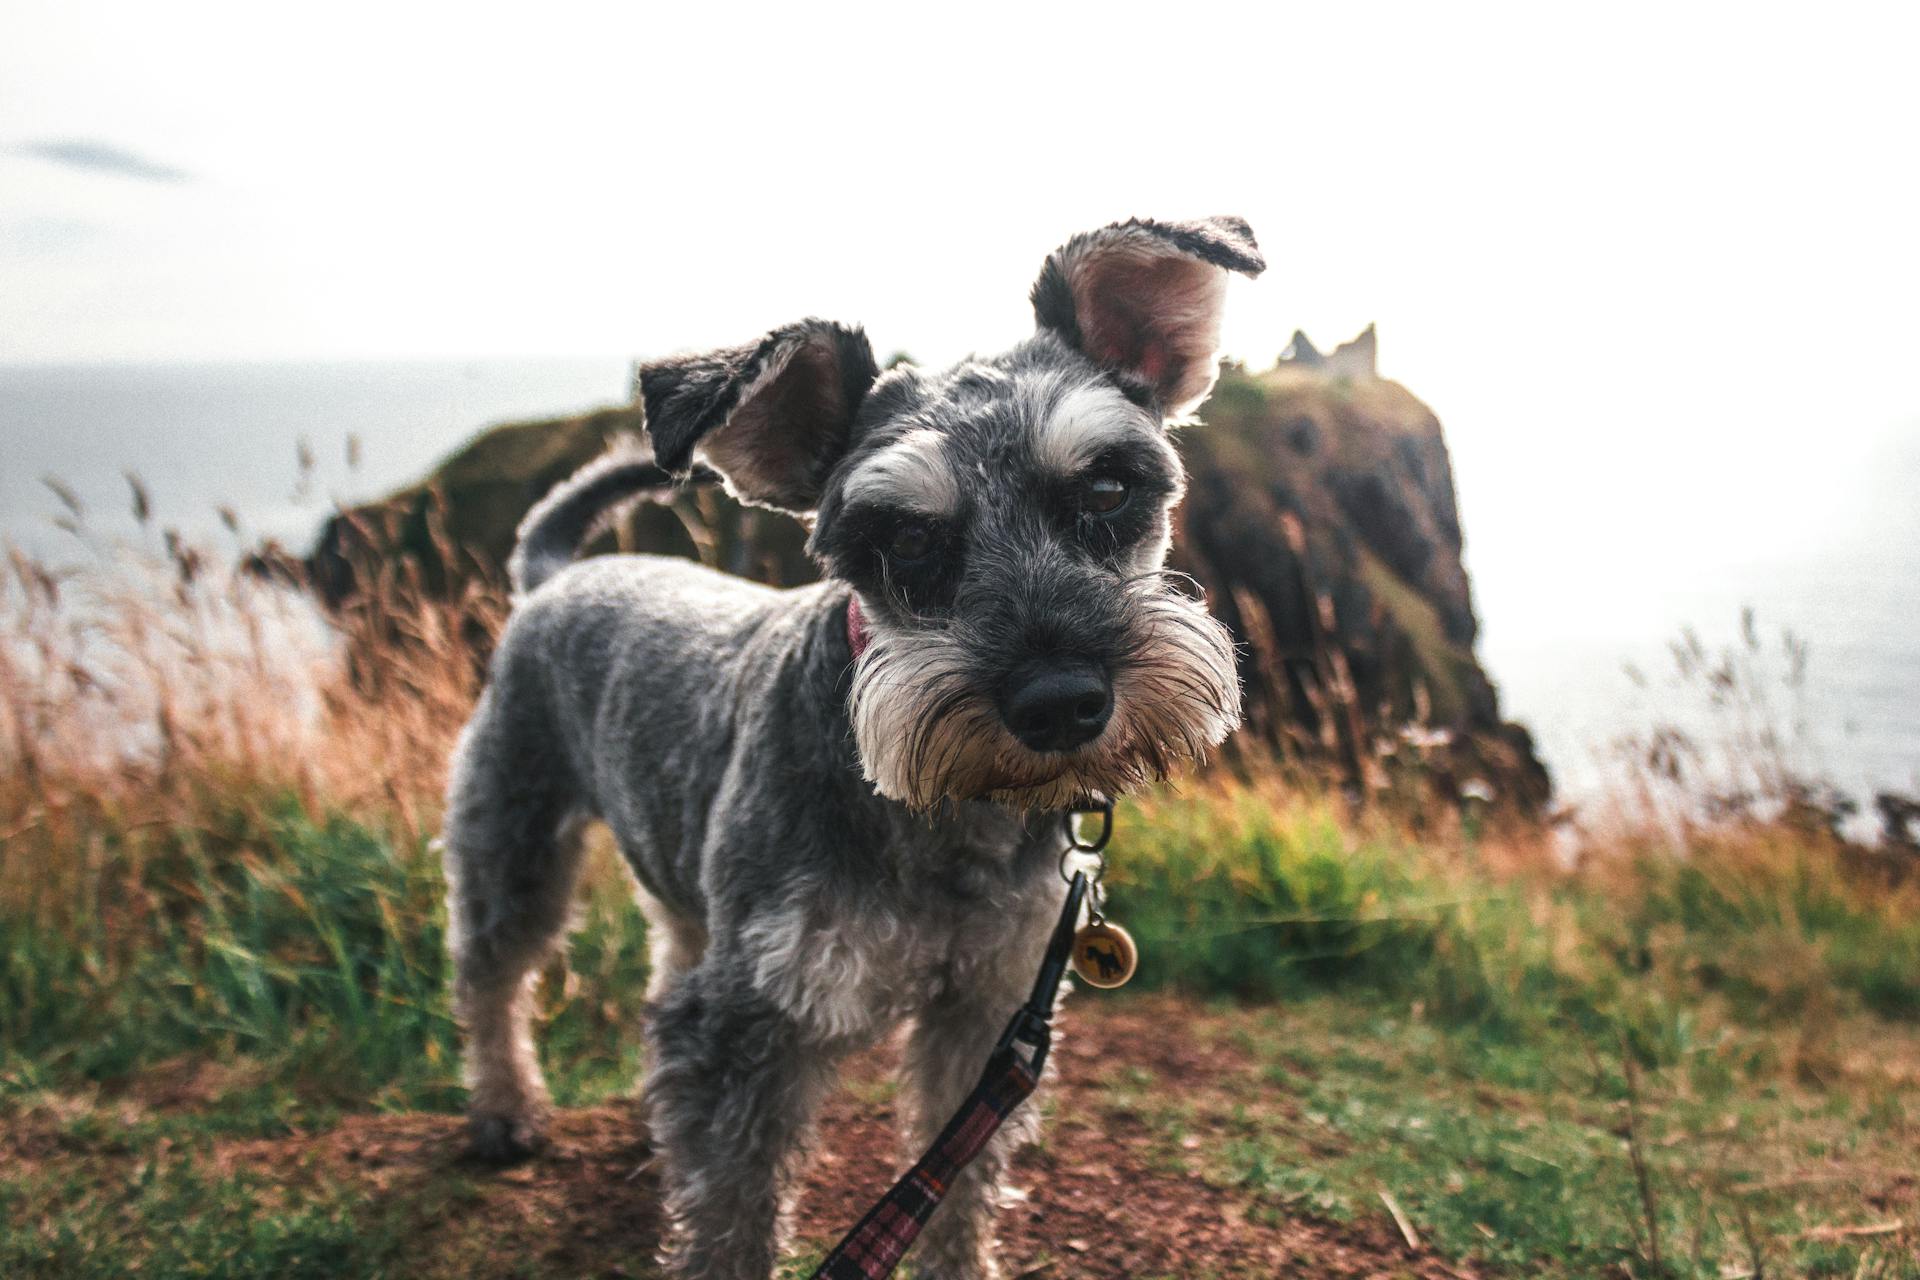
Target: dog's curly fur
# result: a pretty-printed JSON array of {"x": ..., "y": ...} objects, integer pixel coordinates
[{"x": 831, "y": 844}]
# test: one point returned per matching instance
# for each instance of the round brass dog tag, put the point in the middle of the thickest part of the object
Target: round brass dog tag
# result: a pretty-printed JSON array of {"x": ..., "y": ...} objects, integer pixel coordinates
[{"x": 1104, "y": 955}]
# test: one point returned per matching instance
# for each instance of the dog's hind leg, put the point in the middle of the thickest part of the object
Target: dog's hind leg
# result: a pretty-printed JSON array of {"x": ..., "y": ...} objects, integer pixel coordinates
[
  {"x": 513, "y": 858},
  {"x": 731, "y": 1087}
]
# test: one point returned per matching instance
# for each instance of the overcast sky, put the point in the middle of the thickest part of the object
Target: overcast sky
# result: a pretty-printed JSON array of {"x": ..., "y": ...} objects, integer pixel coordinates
[{"x": 1662, "y": 256}]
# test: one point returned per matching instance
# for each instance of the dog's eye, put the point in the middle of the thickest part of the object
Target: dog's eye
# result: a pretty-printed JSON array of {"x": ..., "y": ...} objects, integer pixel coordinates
[
  {"x": 1104, "y": 495},
  {"x": 910, "y": 542}
]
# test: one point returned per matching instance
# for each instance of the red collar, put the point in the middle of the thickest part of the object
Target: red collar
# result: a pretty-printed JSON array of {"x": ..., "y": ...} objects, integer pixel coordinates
[{"x": 857, "y": 633}]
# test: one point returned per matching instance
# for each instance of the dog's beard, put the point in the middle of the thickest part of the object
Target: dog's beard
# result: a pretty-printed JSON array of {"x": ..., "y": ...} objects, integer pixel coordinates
[{"x": 927, "y": 731}]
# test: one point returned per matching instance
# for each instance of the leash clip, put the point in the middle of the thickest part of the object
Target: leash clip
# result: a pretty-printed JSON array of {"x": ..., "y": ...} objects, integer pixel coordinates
[
  {"x": 1032, "y": 1023},
  {"x": 1032, "y": 1030}
]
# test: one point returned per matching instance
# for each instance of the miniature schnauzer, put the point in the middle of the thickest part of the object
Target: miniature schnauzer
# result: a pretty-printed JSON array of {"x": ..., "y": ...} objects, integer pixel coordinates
[{"x": 842, "y": 802}]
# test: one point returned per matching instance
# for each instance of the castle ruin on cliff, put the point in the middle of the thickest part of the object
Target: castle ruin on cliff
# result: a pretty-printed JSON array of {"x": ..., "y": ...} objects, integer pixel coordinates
[{"x": 1358, "y": 359}]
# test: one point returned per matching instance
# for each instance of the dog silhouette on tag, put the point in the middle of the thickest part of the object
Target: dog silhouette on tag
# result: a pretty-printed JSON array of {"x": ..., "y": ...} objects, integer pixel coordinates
[{"x": 1104, "y": 955}]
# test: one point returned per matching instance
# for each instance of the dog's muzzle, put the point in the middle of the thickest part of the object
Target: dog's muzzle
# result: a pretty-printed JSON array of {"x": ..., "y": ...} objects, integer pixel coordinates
[{"x": 929, "y": 728}]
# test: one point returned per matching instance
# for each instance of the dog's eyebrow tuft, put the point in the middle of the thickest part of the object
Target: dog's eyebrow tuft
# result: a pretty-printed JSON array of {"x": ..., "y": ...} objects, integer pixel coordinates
[
  {"x": 1072, "y": 428},
  {"x": 912, "y": 472}
]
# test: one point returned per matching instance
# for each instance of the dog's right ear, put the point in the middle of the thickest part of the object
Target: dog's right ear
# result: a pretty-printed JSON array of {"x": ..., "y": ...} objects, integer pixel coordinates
[
  {"x": 1143, "y": 300},
  {"x": 772, "y": 417}
]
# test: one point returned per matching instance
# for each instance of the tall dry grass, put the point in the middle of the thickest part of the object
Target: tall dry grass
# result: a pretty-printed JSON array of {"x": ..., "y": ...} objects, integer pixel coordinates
[
  {"x": 215, "y": 813},
  {"x": 216, "y": 808},
  {"x": 154, "y": 671}
]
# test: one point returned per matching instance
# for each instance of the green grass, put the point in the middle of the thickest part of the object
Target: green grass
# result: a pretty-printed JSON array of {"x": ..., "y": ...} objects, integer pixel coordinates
[
  {"x": 1245, "y": 891},
  {"x": 1403, "y": 1018},
  {"x": 311, "y": 954},
  {"x": 1515, "y": 1155},
  {"x": 170, "y": 1216}
]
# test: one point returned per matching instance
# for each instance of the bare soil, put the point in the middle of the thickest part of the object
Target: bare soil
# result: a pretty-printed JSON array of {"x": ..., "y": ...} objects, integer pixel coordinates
[{"x": 1096, "y": 1199}]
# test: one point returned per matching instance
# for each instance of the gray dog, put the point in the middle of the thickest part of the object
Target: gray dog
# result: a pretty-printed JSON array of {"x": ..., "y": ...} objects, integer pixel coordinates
[{"x": 842, "y": 801}]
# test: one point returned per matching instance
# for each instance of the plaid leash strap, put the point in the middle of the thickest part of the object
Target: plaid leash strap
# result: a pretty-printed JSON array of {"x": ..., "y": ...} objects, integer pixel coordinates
[{"x": 874, "y": 1248}]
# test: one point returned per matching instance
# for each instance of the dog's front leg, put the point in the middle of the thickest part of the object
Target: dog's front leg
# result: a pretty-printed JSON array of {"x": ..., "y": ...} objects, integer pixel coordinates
[
  {"x": 949, "y": 1047},
  {"x": 731, "y": 1086}
]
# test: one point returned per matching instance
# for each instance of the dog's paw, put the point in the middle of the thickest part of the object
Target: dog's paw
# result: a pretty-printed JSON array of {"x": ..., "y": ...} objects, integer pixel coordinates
[{"x": 499, "y": 1139}]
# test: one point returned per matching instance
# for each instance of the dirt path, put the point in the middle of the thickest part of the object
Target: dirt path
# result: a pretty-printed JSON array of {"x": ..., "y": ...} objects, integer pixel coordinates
[{"x": 1098, "y": 1197}]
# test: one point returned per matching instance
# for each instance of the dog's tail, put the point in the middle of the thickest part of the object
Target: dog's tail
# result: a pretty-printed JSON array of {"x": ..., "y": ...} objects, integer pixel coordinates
[{"x": 561, "y": 521}]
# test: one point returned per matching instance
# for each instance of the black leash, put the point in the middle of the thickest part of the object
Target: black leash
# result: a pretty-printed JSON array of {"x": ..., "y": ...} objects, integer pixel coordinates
[{"x": 876, "y": 1244}]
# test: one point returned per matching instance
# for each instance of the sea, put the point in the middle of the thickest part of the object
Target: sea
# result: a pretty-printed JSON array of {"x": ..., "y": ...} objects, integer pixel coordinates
[{"x": 1586, "y": 662}]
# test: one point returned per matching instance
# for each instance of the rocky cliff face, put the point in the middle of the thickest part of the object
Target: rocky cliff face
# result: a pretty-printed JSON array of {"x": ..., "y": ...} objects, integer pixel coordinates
[{"x": 1320, "y": 519}]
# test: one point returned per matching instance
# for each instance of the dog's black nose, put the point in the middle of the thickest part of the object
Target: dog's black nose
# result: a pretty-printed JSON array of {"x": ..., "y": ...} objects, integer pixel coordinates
[{"x": 1057, "y": 704}]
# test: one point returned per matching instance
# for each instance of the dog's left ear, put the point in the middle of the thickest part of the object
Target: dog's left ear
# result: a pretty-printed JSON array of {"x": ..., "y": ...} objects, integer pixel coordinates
[
  {"x": 1144, "y": 300},
  {"x": 772, "y": 417}
]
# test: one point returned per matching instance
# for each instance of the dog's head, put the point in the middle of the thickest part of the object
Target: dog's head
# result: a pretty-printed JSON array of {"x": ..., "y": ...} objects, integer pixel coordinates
[{"x": 1003, "y": 522}]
